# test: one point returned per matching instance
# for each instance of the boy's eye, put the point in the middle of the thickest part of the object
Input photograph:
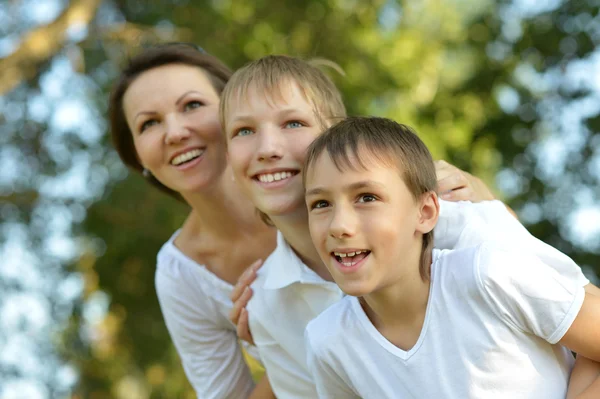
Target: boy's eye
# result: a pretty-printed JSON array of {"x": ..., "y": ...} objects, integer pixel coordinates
[
  {"x": 193, "y": 105},
  {"x": 147, "y": 124},
  {"x": 367, "y": 198},
  {"x": 293, "y": 125},
  {"x": 319, "y": 204},
  {"x": 242, "y": 132}
]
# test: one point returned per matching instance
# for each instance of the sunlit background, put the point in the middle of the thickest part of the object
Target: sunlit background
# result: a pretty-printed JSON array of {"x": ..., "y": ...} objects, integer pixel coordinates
[{"x": 509, "y": 90}]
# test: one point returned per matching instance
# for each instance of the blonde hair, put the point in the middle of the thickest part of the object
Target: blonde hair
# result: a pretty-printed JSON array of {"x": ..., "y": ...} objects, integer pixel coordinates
[{"x": 269, "y": 75}]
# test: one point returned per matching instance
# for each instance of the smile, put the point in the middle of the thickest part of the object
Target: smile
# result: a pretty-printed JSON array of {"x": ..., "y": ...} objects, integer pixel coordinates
[
  {"x": 187, "y": 157},
  {"x": 278, "y": 176},
  {"x": 350, "y": 258}
]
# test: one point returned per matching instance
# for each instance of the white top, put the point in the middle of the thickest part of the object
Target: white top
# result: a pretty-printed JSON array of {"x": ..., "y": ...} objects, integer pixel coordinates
[
  {"x": 195, "y": 304},
  {"x": 287, "y": 294},
  {"x": 492, "y": 320}
]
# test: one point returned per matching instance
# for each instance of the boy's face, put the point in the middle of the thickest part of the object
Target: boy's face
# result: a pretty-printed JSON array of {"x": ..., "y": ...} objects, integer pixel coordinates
[
  {"x": 364, "y": 223},
  {"x": 267, "y": 137}
]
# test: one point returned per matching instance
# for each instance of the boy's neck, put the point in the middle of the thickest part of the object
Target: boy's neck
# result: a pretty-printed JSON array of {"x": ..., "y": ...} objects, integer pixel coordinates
[
  {"x": 294, "y": 227},
  {"x": 398, "y": 310}
]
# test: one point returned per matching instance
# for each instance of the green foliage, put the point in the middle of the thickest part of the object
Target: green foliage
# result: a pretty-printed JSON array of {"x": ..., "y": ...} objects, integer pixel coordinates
[{"x": 440, "y": 66}]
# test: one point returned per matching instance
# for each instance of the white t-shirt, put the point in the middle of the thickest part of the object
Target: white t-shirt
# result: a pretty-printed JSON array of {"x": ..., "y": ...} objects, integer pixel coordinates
[
  {"x": 195, "y": 305},
  {"x": 288, "y": 294},
  {"x": 491, "y": 325}
]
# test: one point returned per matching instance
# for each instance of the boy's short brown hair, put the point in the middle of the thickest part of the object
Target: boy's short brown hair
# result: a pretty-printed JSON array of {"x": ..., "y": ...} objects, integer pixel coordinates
[
  {"x": 269, "y": 74},
  {"x": 385, "y": 141}
]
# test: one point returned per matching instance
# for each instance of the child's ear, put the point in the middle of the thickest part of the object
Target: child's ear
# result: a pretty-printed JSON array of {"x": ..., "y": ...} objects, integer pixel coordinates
[{"x": 428, "y": 213}]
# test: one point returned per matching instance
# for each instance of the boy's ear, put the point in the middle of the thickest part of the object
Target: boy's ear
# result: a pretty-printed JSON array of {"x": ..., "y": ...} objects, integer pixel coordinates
[{"x": 428, "y": 213}]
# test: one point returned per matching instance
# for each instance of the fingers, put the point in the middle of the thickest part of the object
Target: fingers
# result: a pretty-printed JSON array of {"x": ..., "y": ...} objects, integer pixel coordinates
[
  {"x": 452, "y": 182},
  {"x": 245, "y": 280},
  {"x": 243, "y": 327},
  {"x": 241, "y": 293},
  {"x": 462, "y": 194}
]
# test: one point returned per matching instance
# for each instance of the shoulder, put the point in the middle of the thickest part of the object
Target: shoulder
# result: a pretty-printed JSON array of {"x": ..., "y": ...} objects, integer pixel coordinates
[
  {"x": 497, "y": 264},
  {"x": 181, "y": 282},
  {"x": 332, "y": 326}
]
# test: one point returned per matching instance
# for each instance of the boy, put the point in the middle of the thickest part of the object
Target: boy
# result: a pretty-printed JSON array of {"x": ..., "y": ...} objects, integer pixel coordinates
[{"x": 479, "y": 322}]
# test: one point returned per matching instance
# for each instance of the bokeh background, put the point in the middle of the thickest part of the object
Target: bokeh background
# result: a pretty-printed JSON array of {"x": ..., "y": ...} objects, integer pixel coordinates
[{"x": 507, "y": 89}]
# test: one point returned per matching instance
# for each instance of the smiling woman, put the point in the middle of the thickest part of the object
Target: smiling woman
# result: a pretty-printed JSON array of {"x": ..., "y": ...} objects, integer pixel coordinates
[{"x": 164, "y": 123}]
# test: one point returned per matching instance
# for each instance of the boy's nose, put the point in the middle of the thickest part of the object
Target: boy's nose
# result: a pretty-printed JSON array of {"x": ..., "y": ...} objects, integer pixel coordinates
[
  {"x": 342, "y": 224},
  {"x": 270, "y": 146}
]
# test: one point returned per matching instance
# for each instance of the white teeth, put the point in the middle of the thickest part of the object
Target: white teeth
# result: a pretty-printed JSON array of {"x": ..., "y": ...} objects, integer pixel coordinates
[
  {"x": 271, "y": 177},
  {"x": 344, "y": 254},
  {"x": 179, "y": 159}
]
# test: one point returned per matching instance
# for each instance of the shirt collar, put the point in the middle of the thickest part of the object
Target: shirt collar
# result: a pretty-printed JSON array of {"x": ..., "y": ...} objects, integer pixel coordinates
[{"x": 285, "y": 268}]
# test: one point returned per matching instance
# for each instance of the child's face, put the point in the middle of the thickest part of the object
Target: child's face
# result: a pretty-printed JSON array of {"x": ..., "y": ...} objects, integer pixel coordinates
[
  {"x": 364, "y": 223},
  {"x": 267, "y": 137}
]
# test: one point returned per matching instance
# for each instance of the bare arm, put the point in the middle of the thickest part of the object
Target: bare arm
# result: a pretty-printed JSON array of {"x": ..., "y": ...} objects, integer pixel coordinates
[
  {"x": 585, "y": 379},
  {"x": 592, "y": 290},
  {"x": 262, "y": 390},
  {"x": 583, "y": 337}
]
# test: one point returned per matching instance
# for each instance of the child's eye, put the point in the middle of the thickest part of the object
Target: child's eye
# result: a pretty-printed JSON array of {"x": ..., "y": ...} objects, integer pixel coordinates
[
  {"x": 293, "y": 125},
  {"x": 193, "y": 105},
  {"x": 242, "y": 132},
  {"x": 367, "y": 198},
  {"x": 319, "y": 204},
  {"x": 147, "y": 124}
]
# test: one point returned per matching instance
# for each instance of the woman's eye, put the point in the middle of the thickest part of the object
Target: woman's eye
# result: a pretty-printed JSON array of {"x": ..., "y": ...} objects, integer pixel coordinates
[
  {"x": 319, "y": 204},
  {"x": 243, "y": 132},
  {"x": 147, "y": 124},
  {"x": 294, "y": 125},
  {"x": 367, "y": 198},
  {"x": 193, "y": 105}
]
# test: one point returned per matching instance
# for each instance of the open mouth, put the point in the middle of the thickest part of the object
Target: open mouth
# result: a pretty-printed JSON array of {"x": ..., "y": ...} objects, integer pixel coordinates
[
  {"x": 187, "y": 157},
  {"x": 277, "y": 176},
  {"x": 350, "y": 259}
]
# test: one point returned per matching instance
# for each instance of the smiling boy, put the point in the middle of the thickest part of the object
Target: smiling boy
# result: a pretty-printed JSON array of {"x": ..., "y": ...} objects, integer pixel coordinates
[{"x": 477, "y": 322}]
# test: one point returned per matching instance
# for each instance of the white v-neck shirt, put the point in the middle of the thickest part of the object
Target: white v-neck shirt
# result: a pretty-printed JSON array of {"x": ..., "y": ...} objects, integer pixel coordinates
[
  {"x": 492, "y": 321},
  {"x": 288, "y": 294},
  {"x": 195, "y": 305}
]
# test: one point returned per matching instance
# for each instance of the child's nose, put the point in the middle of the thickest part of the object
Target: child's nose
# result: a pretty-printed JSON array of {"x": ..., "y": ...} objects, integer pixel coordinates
[
  {"x": 342, "y": 223},
  {"x": 270, "y": 146}
]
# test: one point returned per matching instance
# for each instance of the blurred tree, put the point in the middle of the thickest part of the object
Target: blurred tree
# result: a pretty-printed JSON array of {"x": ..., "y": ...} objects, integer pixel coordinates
[{"x": 491, "y": 86}]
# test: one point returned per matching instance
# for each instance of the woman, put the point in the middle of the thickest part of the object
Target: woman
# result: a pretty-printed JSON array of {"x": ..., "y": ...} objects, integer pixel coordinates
[{"x": 164, "y": 123}]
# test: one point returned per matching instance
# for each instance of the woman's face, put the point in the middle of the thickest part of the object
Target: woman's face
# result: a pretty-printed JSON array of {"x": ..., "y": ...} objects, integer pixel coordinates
[{"x": 173, "y": 114}]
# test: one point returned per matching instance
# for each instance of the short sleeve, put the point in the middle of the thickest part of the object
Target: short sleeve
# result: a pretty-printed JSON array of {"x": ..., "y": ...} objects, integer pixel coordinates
[
  {"x": 211, "y": 355},
  {"x": 330, "y": 384},
  {"x": 526, "y": 293},
  {"x": 464, "y": 224}
]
